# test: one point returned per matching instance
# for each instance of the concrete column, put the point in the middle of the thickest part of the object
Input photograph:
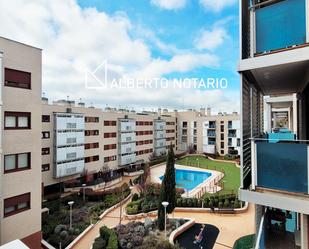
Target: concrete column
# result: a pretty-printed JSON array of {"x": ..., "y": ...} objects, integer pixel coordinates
[
  {"x": 304, "y": 231},
  {"x": 295, "y": 110},
  {"x": 289, "y": 119},
  {"x": 307, "y": 20},
  {"x": 252, "y": 34},
  {"x": 1, "y": 162},
  {"x": 269, "y": 117}
]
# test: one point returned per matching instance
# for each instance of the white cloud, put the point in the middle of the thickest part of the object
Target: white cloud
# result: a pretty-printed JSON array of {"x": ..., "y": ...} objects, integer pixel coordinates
[
  {"x": 73, "y": 38},
  {"x": 216, "y": 5},
  {"x": 169, "y": 4},
  {"x": 211, "y": 39}
]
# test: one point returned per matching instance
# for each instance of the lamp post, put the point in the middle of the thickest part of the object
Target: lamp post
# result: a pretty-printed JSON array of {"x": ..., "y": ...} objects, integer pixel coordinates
[
  {"x": 165, "y": 204},
  {"x": 71, "y": 204},
  {"x": 84, "y": 195}
]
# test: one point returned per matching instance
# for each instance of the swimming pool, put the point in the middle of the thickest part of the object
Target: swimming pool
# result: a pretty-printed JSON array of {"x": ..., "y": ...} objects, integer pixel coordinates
[{"x": 189, "y": 179}]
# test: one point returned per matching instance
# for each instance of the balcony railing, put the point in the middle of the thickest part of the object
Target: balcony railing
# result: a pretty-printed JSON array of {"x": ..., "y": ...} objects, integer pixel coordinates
[
  {"x": 280, "y": 25},
  {"x": 280, "y": 165}
]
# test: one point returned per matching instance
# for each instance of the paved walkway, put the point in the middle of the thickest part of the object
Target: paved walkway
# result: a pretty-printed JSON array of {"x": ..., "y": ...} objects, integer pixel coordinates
[{"x": 110, "y": 220}]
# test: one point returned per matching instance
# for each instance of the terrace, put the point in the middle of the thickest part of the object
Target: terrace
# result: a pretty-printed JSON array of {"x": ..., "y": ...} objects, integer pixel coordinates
[
  {"x": 276, "y": 26},
  {"x": 281, "y": 164}
]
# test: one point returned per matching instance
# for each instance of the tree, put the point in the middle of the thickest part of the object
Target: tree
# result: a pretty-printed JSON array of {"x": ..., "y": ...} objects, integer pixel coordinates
[{"x": 168, "y": 188}]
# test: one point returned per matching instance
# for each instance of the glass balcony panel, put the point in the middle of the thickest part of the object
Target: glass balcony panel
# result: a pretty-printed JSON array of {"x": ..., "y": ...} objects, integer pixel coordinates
[
  {"x": 282, "y": 166},
  {"x": 280, "y": 25}
]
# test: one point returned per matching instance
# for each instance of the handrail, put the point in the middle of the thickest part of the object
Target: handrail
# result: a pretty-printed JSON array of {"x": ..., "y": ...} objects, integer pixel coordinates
[
  {"x": 261, "y": 227},
  {"x": 277, "y": 139}
]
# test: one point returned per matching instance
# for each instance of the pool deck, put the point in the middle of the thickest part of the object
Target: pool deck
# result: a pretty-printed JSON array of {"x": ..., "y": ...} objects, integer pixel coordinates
[{"x": 209, "y": 185}]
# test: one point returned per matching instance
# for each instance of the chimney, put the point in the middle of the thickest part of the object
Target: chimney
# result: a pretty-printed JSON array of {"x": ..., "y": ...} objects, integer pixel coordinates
[
  {"x": 159, "y": 112},
  {"x": 203, "y": 111},
  {"x": 208, "y": 111}
]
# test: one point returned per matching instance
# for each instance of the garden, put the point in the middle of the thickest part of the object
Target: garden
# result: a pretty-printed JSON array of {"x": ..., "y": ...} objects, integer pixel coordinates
[
  {"x": 231, "y": 179},
  {"x": 137, "y": 235},
  {"x": 55, "y": 223},
  {"x": 149, "y": 200}
]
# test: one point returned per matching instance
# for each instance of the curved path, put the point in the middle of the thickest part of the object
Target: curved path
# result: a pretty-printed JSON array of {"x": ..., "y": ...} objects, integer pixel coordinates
[{"x": 110, "y": 220}]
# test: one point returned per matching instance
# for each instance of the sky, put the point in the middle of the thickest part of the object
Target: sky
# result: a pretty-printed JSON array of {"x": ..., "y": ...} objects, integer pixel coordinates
[{"x": 170, "y": 39}]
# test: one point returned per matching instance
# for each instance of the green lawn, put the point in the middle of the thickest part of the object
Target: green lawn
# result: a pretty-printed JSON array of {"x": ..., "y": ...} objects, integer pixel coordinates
[{"x": 231, "y": 180}]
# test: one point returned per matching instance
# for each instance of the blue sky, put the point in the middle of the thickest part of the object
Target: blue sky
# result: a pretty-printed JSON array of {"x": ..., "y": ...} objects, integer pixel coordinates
[
  {"x": 140, "y": 38},
  {"x": 180, "y": 28}
]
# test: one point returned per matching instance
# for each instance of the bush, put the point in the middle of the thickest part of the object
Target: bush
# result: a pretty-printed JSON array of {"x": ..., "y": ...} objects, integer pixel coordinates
[
  {"x": 236, "y": 204},
  {"x": 135, "y": 197},
  {"x": 211, "y": 204},
  {"x": 220, "y": 205},
  {"x": 99, "y": 243},
  {"x": 112, "y": 241},
  {"x": 226, "y": 203}
]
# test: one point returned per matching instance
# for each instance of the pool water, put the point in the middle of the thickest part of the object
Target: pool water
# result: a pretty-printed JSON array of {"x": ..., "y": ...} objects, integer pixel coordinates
[{"x": 189, "y": 179}]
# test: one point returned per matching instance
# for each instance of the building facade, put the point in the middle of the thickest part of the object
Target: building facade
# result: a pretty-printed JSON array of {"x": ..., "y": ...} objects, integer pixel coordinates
[
  {"x": 202, "y": 132},
  {"x": 79, "y": 140},
  {"x": 274, "y": 72},
  {"x": 20, "y": 143}
]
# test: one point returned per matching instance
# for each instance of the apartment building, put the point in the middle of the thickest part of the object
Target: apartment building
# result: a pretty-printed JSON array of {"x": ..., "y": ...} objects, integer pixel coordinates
[
  {"x": 78, "y": 140},
  {"x": 274, "y": 72},
  {"x": 20, "y": 143},
  {"x": 203, "y": 132}
]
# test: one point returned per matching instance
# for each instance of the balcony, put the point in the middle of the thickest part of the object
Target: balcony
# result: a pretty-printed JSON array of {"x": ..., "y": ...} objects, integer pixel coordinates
[
  {"x": 281, "y": 165},
  {"x": 127, "y": 125},
  {"x": 127, "y": 159},
  {"x": 278, "y": 230},
  {"x": 128, "y": 137},
  {"x": 211, "y": 133},
  {"x": 281, "y": 25},
  {"x": 232, "y": 133},
  {"x": 212, "y": 125}
]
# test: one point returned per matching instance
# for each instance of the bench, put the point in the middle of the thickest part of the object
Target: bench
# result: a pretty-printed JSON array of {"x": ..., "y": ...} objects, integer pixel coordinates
[{"x": 226, "y": 211}]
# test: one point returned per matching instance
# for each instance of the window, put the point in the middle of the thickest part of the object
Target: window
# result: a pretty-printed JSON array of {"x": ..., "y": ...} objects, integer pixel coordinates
[
  {"x": 222, "y": 136},
  {"x": 16, "y": 78},
  {"x": 45, "y": 167},
  {"x": 91, "y": 146},
  {"x": 16, "y": 204},
  {"x": 91, "y": 132},
  {"x": 71, "y": 140},
  {"x": 238, "y": 142},
  {"x": 110, "y": 123},
  {"x": 92, "y": 119},
  {"x": 110, "y": 134},
  {"x": 222, "y": 145},
  {"x": 17, "y": 120},
  {"x": 45, "y": 118},
  {"x": 71, "y": 155},
  {"x": 16, "y": 162},
  {"x": 71, "y": 125},
  {"x": 92, "y": 159},
  {"x": 109, "y": 146},
  {"x": 222, "y": 128},
  {"x": 110, "y": 158},
  {"x": 45, "y": 134},
  {"x": 45, "y": 151},
  {"x": 222, "y": 151}
]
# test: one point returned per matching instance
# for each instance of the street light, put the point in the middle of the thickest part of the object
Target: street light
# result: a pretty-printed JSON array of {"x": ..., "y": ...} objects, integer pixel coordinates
[
  {"x": 165, "y": 204},
  {"x": 84, "y": 196},
  {"x": 71, "y": 204}
]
